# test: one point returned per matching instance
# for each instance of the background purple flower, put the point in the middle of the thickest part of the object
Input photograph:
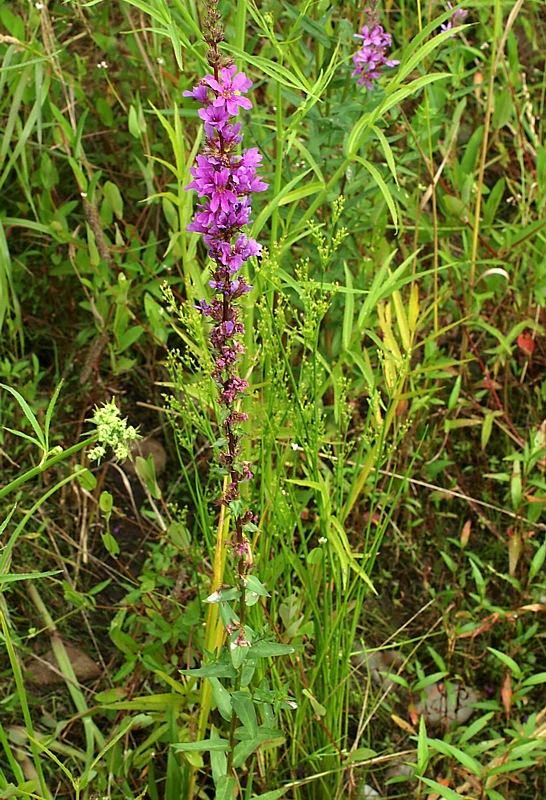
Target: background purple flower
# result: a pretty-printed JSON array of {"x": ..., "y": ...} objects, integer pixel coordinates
[
  {"x": 456, "y": 19},
  {"x": 371, "y": 58}
]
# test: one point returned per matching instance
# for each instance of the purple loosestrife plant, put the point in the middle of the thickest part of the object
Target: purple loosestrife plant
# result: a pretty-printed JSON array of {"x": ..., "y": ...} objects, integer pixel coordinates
[
  {"x": 372, "y": 56},
  {"x": 225, "y": 181}
]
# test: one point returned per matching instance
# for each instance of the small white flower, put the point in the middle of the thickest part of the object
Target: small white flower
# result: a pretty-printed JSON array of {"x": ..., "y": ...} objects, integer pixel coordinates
[
  {"x": 294, "y": 445},
  {"x": 322, "y": 540},
  {"x": 39, "y": 6},
  {"x": 160, "y": 60},
  {"x": 102, "y": 65},
  {"x": 83, "y": 194}
]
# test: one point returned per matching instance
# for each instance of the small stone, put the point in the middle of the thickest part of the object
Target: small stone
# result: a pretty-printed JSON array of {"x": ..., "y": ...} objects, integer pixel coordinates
[
  {"x": 400, "y": 770},
  {"x": 444, "y": 707},
  {"x": 43, "y": 674},
  {"x": 144, "y": 448},
  {"x": 378, "y": 664},
  {"x": 367, "y": 792}
]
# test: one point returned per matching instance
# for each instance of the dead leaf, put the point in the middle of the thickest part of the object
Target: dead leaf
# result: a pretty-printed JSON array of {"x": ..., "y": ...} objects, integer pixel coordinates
[
  {"x": 515, "y": 549},
  {"x": 533, "y": 607},
  {"x": 506, "y": 693},
  {"x": 478, "y": 80},
  {"x": 526, "y": 343},
  {"x": 403, "y": 724},
  {"x": 465, "y": 534}
]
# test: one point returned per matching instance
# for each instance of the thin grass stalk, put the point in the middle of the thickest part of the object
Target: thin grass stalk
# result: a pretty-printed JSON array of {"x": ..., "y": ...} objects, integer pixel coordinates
[
  {"x": 21, "y": 691},
  {"x": 240, "y": 25},
  {"x": 13, "y": 763},
  {"x": 499, "y": 42}
]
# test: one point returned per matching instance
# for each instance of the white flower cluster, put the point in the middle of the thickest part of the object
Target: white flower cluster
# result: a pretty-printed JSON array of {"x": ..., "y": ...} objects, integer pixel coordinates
[{"x": 112, "y": 431}]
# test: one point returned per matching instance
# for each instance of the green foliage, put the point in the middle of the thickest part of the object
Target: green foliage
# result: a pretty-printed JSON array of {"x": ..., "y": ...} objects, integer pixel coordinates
[{"x": 394, "y": 350}]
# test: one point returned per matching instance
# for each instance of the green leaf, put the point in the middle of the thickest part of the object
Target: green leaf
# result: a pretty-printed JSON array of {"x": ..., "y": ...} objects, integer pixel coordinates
[
  {"x": 270, "y": 650},
  {"x": 27, "y": 437},
  {"x": 275, "y": 70},
  {"x": 534, "y": 680},
  {"x": 459, "y": 755},
  {"x": 223, "y": 595},
  {"x": 218, "y": 761},
  {"x": 443, "y": 791},
  {"x": 49, "y": 411},
  {"x": 273, "y": 795},
  {"x": 110, "y": 543},
  {"x": 26, "y": 576},
  {"x": 507, "y": 661},
  {"x": 244, "y": 708},
  {"x": 256, "y": 586},
  {"x": 454, "y": 396},
  {"x": 348, "y": 313},
  {"x": 243, "y": 750},
  {"x": 318, "y": 708},
  {"x": 298, "y": 194},
  {"x": 29, "y": 415},
  {"x": 79, "y": 174},
  {"x": 238, "y": 655},
  {"x": 225, "y": 788},
  {"x": 222, "y": 698},
  {"x": 538, "y": 561},
  {"x": 85, "y": 477},
  {"x": 383, "y": 188},
  {"x": 246, "y": 747},
  {"x": 106, "y": 503},
  {"x": 23, "y": 789},
  {"x": 129, "y": 337},
  {"x": 211, "y": 671},
  {"x": 204, "y": 745},
  {"x": 422, "y": 746},
  {"x": 504, "y": 109},
  {"x": 487, "y": 427},
  {"x": 361, "y": 754},
  {"x": 145, "y": 469},
  {"x": 492, "y": 794},
  {"x": 476, "y": 727},
  {"x": 113, "y": 197}
]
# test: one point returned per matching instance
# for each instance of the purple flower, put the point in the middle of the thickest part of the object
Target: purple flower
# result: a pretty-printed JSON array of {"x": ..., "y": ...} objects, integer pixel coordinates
[
  {"x": 371, "y": 57},
  {"x": 225, "y": 181},
  {"x": 199, "y": 93},
  {"x": 455, "y": 20},
  {"x": 226, "y": 89},
  {"x": 232, "y": 387},
  {"x": 217, "y": 117}
]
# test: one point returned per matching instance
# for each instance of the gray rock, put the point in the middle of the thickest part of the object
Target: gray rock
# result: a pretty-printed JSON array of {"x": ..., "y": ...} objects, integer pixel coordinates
[{"x": 446, "y": 703}]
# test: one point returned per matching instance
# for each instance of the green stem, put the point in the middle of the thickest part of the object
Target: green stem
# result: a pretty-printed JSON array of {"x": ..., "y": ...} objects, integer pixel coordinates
[
  {"x": 277, "y": 183},
  {"x": 19, "y": 683},
  {"x": 32, "y": 473}
]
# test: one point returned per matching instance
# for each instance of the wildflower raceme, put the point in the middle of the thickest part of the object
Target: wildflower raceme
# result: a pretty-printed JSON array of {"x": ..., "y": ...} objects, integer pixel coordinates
[
  {"x": 372, "y": 56},
  {"x": 226, "y": 182}
]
